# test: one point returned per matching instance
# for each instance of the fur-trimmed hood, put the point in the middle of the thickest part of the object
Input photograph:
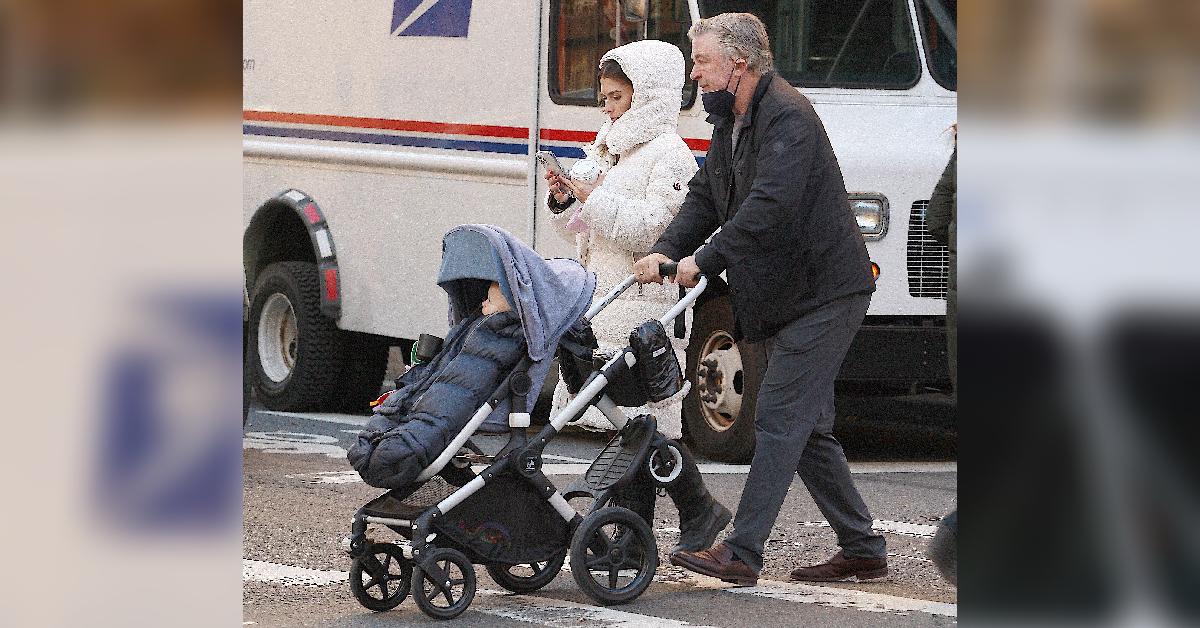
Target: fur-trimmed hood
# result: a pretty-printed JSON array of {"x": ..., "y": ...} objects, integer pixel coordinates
[{"x": 656, "y": 70}]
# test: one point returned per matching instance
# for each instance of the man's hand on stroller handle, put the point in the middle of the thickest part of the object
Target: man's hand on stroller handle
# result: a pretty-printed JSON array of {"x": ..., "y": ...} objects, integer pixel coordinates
[{"x": 655, "y": 266}]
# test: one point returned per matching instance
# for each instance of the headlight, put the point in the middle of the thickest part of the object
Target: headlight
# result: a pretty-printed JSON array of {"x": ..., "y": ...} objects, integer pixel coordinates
[{"x": 871, "y": 213}]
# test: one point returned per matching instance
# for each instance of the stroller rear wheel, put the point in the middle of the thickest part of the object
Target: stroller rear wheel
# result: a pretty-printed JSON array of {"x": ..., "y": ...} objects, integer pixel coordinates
[
  {"x": 613, "y": 555},
  {"x": 443, "y": 584},
  {"x": 527, "y": 577},
  {"x": 380, "y": 579}
]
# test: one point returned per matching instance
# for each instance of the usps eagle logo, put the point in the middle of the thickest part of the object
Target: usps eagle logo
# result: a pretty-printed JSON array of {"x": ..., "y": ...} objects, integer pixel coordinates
[{"x": 431, "y": 18}]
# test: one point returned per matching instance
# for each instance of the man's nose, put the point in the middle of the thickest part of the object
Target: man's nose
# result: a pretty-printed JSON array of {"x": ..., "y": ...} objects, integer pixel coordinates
[{"x": 695, "y": 75}]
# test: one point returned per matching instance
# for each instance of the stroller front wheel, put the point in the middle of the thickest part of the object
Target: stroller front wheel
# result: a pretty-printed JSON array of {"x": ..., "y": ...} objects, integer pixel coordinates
[
  {"x": 613, "y": 555},
  {"x": 380, "y": 579},
  {"x": 443, "y": 584}
]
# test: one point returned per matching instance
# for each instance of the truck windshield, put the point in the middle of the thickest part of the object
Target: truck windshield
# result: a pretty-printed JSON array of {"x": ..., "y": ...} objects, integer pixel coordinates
[
  {"x": 939, "y": 28},
  {"x": 836, "y": 43}
]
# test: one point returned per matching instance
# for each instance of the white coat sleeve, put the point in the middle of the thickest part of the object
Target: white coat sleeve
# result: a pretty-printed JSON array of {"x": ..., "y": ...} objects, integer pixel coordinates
[
  {"x": 559, "y": 220},
  {"x": 635, "y": 224}
]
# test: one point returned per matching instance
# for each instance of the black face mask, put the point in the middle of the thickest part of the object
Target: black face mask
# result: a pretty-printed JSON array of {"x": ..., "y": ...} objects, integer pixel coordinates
[{"x": 720, "y": 102}]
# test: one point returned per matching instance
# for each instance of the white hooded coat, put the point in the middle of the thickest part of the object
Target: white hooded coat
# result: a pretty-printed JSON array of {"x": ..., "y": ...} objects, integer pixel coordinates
[{"x": 646, "y": 168}]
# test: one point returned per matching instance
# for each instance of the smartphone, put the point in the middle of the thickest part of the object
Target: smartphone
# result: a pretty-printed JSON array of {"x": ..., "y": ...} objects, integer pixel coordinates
[{"x": 550, "y": 162}]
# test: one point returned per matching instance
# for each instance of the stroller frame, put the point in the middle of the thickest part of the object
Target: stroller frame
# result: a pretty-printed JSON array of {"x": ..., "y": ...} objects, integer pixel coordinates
[{"x": 428, "y": 569}]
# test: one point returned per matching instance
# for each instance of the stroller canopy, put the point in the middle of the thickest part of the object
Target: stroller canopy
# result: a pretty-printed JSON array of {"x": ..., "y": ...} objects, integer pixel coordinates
[{"x": 549, "y": 295}]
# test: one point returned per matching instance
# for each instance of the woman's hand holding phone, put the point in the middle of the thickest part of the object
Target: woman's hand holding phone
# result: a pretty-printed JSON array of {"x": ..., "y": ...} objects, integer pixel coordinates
[{"x": 557, "y": 187}]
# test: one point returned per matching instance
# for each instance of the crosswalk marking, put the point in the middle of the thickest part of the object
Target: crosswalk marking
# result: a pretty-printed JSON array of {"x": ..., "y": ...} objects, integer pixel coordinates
[
  {"x": 903, "y": 528},
  {"x": 561, "y": 613},
  {"x": 554, "y": 612},
  {"x": 570, "y": 468},
  {"x": 844, "y": 598},
  {"x": 263, "y": 571}
]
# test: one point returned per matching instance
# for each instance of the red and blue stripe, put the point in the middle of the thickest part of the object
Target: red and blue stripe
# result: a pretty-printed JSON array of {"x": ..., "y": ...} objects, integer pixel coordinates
[{"x": 485, "y": 138}]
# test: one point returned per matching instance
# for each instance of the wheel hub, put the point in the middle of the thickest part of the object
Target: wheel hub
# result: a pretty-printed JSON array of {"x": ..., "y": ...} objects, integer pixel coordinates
[
  {"x": 278, "y": 338},
  {"x": 719, "y": 381}
]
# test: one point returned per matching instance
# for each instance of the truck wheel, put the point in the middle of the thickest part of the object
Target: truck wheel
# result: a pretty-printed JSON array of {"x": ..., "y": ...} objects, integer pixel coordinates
[
  {"x": 363, "y": 365},
  {"x": 296, "y": 352},
  {"x": 725, "y": 376},
  {"x": 247, "y": 380}
]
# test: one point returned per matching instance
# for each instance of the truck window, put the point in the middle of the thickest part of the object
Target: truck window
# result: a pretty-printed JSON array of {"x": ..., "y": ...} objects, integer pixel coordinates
[
  {"x": 581, "y": 31},
  {"x": 836, "y": 43},
  {"x": 939, "y": 29}
]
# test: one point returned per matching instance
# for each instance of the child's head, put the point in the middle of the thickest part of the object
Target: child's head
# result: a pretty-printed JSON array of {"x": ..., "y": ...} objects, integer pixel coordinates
[{"x": 495, "y": 301}]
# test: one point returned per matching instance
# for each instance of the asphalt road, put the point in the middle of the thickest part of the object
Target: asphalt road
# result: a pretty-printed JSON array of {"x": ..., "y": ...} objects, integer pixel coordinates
[{"x": 300, "y": 494}]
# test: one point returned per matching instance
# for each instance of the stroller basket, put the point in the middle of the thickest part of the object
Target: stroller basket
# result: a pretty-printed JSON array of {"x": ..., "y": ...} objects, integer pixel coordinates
[{"x": 396, "y": 504}]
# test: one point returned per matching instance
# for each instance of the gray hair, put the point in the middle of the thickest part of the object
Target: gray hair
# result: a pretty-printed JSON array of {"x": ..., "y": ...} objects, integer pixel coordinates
[{"x": 741, "y": 35}]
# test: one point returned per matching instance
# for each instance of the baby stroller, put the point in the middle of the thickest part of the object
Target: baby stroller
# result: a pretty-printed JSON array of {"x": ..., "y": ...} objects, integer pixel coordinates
[{"x": 508, "y": 516}]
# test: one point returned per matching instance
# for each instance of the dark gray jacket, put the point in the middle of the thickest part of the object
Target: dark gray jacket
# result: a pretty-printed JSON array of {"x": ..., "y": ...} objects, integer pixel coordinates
[{"x": 788, "y": 239}]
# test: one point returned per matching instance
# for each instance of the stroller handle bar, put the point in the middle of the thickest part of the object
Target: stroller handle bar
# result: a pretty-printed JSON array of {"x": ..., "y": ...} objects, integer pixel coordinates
[{"x": 666, "y": 269}]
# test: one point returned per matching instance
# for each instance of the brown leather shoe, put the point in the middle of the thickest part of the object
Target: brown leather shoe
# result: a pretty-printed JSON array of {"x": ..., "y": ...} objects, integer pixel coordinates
[
  {"x": 717, "y": 561},
  {"x": 840, "y": 568}
]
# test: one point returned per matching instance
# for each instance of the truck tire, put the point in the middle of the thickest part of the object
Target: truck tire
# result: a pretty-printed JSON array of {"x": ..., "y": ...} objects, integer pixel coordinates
[
  {"x": 296, "y": 352},
  {"x": 247, "y": 381},
  {"x": 725, "y": 376},
  {"x": 364, "y": 361}
]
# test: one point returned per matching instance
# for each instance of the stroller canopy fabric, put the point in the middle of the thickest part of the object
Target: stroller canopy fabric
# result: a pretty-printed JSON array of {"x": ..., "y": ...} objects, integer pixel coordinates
[{"x": 548, "y": 295}]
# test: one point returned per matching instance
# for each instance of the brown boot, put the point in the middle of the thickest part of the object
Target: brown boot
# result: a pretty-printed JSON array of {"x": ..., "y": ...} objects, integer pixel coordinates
[{"x": 840, "y": 568}]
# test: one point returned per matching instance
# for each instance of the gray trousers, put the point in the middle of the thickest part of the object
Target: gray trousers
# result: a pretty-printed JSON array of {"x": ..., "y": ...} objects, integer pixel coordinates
[{"x": 793, "y": 428}]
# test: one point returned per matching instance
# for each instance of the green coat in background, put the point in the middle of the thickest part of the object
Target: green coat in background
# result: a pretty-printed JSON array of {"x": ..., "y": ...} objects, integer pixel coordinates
[{"x": 942, "y": 221}]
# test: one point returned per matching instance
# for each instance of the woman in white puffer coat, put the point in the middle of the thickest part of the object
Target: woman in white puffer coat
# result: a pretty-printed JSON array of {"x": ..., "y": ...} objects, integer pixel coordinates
[{"x": 614, "y": 219}]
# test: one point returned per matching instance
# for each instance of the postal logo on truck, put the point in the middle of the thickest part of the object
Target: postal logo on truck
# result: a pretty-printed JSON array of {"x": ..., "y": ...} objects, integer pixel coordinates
[{"x": 431, "y": 18}]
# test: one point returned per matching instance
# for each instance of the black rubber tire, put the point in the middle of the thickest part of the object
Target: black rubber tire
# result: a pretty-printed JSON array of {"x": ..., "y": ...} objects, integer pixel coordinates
[
  {"x": 247, "y": 379},
  {"x": 364, "y": 361},
  {"x": 543, "y": 574},
  {"x": 613, "y": 528},
  {"x": 427, "y": 593},
  {"x": 391, "y": 559},
  {"x": 319, "y": 353},
  {"x": 734, "y": 444}
]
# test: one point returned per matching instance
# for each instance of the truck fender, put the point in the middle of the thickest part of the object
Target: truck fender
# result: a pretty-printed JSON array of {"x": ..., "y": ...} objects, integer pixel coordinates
[{"x": 261, "y": 245}]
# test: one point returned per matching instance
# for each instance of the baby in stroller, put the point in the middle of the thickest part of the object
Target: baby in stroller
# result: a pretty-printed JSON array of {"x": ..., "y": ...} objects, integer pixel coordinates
[{"x": 509, "y": 516}]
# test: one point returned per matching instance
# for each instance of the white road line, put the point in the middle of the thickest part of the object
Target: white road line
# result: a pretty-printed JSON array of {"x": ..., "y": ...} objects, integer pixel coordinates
[
  {"x": 293, "y": 443},
  {"x": 561, "y": 613},
  {"x": 903, "y": 528},
  {"x": 348, "y": 477},
  {"x": 327, "y": 477},
  {"x": 832, "y": 597},
  {"x": 262, "y": 571},
  {"x": 566, "y": 459},
  {"x": 327, "y": 417}
]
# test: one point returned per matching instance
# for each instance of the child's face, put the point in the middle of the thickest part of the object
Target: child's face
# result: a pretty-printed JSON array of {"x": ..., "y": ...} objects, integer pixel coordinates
[{"x": 495, "y": 301}]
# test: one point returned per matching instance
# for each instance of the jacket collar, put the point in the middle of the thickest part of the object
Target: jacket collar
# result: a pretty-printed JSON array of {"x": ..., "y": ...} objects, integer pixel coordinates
[{"x": 760, "y": 90}]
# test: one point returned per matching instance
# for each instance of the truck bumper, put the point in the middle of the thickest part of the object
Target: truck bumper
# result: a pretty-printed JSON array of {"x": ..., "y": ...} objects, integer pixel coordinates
[{"x": 898, "y": 353}]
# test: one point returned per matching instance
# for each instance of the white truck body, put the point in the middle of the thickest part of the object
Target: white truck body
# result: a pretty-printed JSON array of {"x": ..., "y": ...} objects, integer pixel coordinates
[{"x": 402, "y": 119}]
